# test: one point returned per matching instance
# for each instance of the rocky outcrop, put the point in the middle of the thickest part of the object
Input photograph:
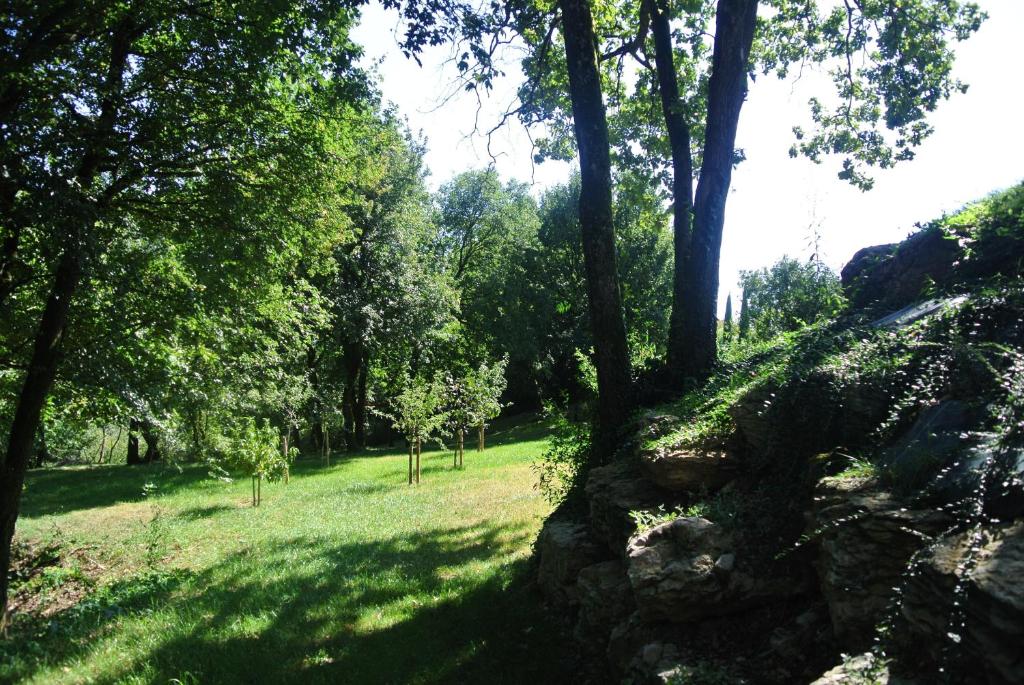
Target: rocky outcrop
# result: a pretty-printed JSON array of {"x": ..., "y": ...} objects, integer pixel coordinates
[
  {"x": 990, "y": 627},
  {"x": 564, "y": 548},
  {"x": 865, "y": 539},
  {"x": 686, "y": 570},
  {"x": 895, "y": 275},
  {"x": 684, "y": 470},
  {"x": 613, "y": 491},
  {"x": 605, "y": 599}
]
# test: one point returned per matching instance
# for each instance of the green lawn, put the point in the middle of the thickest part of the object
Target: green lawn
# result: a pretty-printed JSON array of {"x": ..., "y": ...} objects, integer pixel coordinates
[{"x": 346, "y": 574}]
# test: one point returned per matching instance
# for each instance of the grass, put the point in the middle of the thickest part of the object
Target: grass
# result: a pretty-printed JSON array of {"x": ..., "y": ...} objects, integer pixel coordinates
[{"x": 346, "y": 574}]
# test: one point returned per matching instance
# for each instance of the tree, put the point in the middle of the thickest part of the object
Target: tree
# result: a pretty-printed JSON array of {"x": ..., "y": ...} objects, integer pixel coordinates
[
  {"x": 483, "y": 389},
  {"x": 254, "y": 450},
  {"x": 727, "y": 324},
  {"x": 608, "y": 329},
  {"x": 878, "y": 117},
  {"x": 744, "y": 327},
  {"x": 124, "y": 106},
  {"x": 418, "y": 414},
  {"x": 788, "y": 296}
]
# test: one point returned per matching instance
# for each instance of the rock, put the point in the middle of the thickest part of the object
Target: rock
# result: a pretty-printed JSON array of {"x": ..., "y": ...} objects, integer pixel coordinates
[
  {"x": 993, "y": 628},
  {"x": 895, "y": 275},
  {"x": 685, "y": 570},
  {"x": 864, "y": 669},
  {"x": 683, "y": 470},
  {"x": 753, "y": 422},
  {"x": 866, "y": 537},
  {"x": 614, "y": 491},
  {"x": 564, "y": 548},
  {"x": 605, "y": 598},
  {"x": 935, "y": 442},
  {"x": 915, "y": 312}
]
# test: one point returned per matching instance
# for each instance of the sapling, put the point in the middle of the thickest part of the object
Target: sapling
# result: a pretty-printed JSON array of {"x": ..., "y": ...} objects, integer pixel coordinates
[
  {"x": 254, "y": 450},
  {"x": 484, "y": 387},
  {"x": 418, "y": 414}
]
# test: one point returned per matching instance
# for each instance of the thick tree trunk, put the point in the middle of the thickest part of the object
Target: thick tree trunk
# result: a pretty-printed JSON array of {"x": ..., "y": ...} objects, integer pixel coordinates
[
  {"x": 152, "y": 442},
  {"x": 678, "y": 127},
  {"x": 35, "y": 387},
  {"x": 608, "y": 328},
  {"x": 727, "y": 88},
  {"x": 133, "y": 443}
]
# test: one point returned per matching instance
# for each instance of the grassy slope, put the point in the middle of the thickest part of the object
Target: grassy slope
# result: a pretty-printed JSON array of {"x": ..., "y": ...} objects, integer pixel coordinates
[{"x": 344, "y": 575}]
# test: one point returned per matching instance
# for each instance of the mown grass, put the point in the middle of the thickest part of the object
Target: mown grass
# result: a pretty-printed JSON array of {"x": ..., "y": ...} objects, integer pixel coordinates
[{"x": 346, "y": 574}]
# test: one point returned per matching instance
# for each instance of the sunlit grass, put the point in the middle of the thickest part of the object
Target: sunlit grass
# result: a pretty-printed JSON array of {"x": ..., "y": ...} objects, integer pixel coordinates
[{"x": 346, "y": 574}]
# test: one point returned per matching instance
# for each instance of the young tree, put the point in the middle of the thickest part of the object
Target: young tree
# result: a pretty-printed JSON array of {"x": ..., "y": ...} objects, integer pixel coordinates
[
  {"x": 418, "y": 414},
  {"x": 727, "y": 324},
  {"x": 744, "y": 327},
  {"x": 254, "y": 450},
  {"x": 483, "y": 388}
]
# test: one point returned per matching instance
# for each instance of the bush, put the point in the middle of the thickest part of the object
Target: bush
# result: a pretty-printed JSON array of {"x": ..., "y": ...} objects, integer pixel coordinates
[{"x": 788, "y": 296}]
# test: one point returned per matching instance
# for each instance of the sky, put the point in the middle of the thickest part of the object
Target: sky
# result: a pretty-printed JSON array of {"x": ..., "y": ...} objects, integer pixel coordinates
[{"x": 977, "y": 147}]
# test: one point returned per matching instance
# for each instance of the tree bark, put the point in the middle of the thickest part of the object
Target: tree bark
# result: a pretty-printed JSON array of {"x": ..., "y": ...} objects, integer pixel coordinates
[
  {"x": 360, "y": 412},
  {"x": 678, "y": 128},
  {"x": 410, "y": 459},
  {"x": 133, "y": 443},
  {"x": 152, "y": 442},
  {"x": 34, "y": 389},
  {"x": 608, "y": 328},
  {"x": 727, "y": 88},
  {"x": 462, "y": 450}
]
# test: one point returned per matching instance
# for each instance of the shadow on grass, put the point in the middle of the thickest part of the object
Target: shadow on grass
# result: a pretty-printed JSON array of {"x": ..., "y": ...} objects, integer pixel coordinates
[
  {"x": 407, "y": 610},
  {"x": 57, "y": 490}
]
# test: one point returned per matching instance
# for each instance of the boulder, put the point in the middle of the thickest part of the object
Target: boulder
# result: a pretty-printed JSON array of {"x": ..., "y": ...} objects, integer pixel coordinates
[
  {"x": 682, "y": 470},
  {"x": 605, "y": 598},
  {"x": 895, "y": 275},
  {"x": 686, "y": 570},
  {"x": 990, "y": 629},
  {"x": 613, "y": 491},
  {"x": 564, "y": 548},
  {"x": 865, "y": 539}
]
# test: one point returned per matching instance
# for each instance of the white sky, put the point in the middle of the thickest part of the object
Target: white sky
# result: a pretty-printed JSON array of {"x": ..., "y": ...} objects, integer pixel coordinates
[{"x": 977, "y": 147}]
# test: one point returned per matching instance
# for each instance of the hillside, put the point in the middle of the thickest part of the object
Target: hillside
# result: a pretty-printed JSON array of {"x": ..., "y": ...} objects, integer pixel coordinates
[{"x": 853, "y": 488}]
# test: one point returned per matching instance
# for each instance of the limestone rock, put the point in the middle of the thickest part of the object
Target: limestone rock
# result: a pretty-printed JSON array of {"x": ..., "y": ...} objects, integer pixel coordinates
[
  {"x": 605, "y": 597},
  {"x": 614, "y": 491},
  {"x": 685, "y": 570},
  {"x": 682, "y": 470},
  {"x": 564, "y": 548},
  {"x": 866, "y": 538},
  {"x": 993, "y": 630}
]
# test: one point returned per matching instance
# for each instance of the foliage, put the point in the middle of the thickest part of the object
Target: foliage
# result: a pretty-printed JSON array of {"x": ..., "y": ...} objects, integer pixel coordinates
[
  {"x": 561, "y": 468},
  {"x": 789, "y": 295},
  {"x": 255, "y": 449},
  {"x": 419, "y": 410}
]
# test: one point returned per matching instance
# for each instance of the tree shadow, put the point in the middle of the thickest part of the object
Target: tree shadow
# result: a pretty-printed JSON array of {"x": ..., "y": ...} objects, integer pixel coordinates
[
  {"x": 60, "y": 490},
  {"x": 401, "y": 610}
]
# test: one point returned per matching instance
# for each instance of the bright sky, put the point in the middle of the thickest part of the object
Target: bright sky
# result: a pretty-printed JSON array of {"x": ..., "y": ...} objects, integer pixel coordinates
[{"x": 977, "y": 147}]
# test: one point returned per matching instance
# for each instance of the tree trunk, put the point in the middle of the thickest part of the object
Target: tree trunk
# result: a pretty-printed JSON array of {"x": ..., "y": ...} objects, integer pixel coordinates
[
  {"x": 253, "y": 490},
  {"x": 419, "y": 447},
  {"x": 480, "y": 438},
  {"x": 133, "y": 443},
  {"x": 360, "y": 410},
  {"x": 152, "y": 440},
  {"x": 284, "y": 454},
  {"x": 103, "y": 444},
  {"x": 409, "y": 440},
  {"x": 110, "y": 453},
  {"x": 727, "y": 88},
  {"x": 461, "y": 447},
  {"x": 259, "y": 491},
  {"x": 42, "y": 453},
  {"x": 678, "y": 128},
  {"x": 611, "y": 351},
  {"x": 34, "y": 389}
]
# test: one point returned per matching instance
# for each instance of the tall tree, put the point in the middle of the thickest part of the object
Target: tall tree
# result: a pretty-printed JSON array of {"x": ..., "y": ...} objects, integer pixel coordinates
[{"x": 608, "y": 328}]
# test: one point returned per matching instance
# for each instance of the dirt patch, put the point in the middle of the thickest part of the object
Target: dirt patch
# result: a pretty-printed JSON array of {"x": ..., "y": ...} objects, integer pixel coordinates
[{"x": 47, "y": 578}]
